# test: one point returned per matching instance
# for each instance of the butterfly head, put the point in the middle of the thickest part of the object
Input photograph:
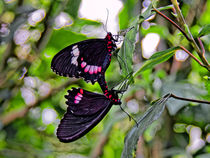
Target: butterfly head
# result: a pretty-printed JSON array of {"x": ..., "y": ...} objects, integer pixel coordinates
[{"x": 110, "y": 37}]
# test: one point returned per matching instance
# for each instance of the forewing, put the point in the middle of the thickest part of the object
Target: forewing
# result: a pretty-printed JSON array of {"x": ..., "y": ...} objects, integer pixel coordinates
[
  {"x": 82, "y": 114},
  {"x": 83, "y": 59},
  {"x": 65, "y": 62}
]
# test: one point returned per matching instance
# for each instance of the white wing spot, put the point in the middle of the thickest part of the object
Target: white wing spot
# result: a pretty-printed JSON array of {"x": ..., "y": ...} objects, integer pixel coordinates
[
  {"x": 74, "y": 61},
  {"x": 74, "y": 47},
  {"x": 75, "y": 52}
]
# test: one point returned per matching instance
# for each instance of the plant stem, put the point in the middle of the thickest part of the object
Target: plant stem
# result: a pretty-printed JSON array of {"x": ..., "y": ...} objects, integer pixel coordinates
[
  {"x": 198, "y": 61},
  {"x": 172, "y": 22},
  {"x": 192, "y": 41},
  {"x": 187, "y": 99},
  {"x": 179, "y": 13},
  {"x": 183, "y": 23},
  {"x": 201, "y": 45}
]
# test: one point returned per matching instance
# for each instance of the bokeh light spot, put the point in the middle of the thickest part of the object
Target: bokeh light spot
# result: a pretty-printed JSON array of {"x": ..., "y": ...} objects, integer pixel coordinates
[
  {"x": 62, "y": 20},
  {"x": 97, "y": 10},
  {"x": 36, "y": 17},
  {"x": 133, "y": 106},
  {"x": 149, "y": 44},
  {"x": 48, "y": 116},
  {"x": 21, "y": 36},
  {"x": 28, "y": 95},
  {"x": 196, "y": 142},
  {"x": 181, "y": 55}
]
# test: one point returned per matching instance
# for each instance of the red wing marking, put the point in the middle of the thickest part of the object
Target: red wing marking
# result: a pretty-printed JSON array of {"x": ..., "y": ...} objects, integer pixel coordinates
[
  {"x": 87, "y": 68},
  {"x": 78, "y": 97}
]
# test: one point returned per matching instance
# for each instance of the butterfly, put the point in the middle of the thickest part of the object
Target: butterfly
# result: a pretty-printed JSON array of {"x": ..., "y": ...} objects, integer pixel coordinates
[
  {"x": 85, "y": 110},
  {"x": 88, "y": 59}
]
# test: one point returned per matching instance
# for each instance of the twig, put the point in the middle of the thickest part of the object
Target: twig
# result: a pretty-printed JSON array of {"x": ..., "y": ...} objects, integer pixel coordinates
[
  {"x": 178, "y": 12},
  {"x": 198, "y": 61},
  {"x": 172, "y": 22},
  {"x": 192, "y": 41},
  {"x": 201, "y": 45},
  {"x": 191, "y": 100},
  {"x": 12, "y": 116},
  {"x": 183, "y": 23}
]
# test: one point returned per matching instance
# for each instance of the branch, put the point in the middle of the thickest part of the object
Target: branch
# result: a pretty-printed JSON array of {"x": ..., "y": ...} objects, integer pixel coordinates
[
  {"x": 191, "y": 100},
  {"x": 172, "y": 22},
  {"x": 183, "y": 23},
  {"x": 201, "y": 45},
  {"x": 192, "y": 41},
  {"x": 198, "y": 61},
  {"x": 12, "y": 116}
]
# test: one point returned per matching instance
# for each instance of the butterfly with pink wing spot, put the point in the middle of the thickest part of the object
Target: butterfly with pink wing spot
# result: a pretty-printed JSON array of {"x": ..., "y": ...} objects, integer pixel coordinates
[
  {"x": 88, "y": 59},
  {"x": 85, "y": 110}
]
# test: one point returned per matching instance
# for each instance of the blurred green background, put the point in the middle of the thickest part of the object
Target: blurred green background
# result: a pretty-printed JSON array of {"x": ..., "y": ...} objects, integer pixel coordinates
[{"x": 32, "y": 96}]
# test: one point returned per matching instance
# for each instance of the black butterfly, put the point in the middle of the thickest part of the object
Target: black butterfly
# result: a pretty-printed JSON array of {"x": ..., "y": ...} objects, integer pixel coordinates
[
  {"x": 88, "y": 59},
  {"x": 85, "y": 110}
]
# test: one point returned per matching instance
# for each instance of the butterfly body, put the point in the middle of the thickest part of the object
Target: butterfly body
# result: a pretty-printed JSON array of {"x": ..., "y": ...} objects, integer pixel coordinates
[{"x": 85, "y": 110}]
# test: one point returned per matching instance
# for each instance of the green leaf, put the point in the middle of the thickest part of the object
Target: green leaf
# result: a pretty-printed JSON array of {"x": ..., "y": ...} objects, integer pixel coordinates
[
  {"x": 152, "y": 114},
  {"x": 156, "y": 58},
  {"x": 204, "y": 31},
  {"x": 62, "y": 38},
  {"x": 127, "y": 49}
]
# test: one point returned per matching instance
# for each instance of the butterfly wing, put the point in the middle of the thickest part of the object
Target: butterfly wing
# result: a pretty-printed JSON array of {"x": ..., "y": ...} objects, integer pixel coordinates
[
  {"x": 85, "y": 110},
  {"x": 87, "y": 59}
]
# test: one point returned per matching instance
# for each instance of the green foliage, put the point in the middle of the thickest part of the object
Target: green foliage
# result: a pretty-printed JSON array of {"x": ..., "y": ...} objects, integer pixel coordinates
[
  {"x": 152, "y": 114},
  {"x": 28, "y": 87},
  {"x": 157, "y": 58},
  {"x": 127, "y": 49},
  {"x": 205, "y": 30},
  {"x": 72, "y": 8},
  {"x": 181, "y": 89},
  {"x": 127, "y": 13}
]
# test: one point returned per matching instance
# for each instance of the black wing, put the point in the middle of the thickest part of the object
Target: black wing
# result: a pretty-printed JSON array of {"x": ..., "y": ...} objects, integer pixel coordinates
[
  {"x": 85, "y": 110},
  {"x": 87, "y": 59}
]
